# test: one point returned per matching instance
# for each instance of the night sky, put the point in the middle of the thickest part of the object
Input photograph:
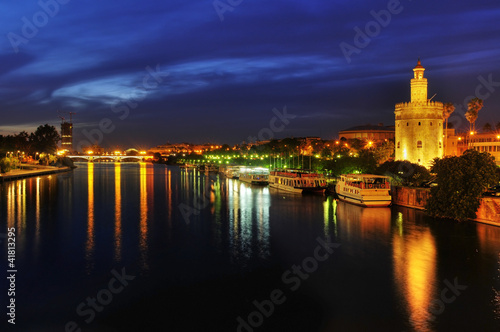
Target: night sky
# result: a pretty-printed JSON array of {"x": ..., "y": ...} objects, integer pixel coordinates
[{"x": 213, "y": 71}]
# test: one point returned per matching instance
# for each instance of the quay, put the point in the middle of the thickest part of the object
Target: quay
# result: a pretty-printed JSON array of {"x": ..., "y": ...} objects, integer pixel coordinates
[{"x": 37, "y": 170}]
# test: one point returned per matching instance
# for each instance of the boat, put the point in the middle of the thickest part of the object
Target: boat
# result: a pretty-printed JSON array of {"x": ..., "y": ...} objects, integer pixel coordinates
[
  {"x": 232, "y": 172},
  {"x": 297, "y": 181},
  {"x": 209, "y": 168},
  {"x": 187, "y": 166},
  {"x": 255, "y": 175},
  {"x": 366, "y": 190}
]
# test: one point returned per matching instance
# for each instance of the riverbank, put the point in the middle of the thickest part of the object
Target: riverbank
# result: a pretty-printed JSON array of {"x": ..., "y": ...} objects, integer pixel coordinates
[
  {"x": 416, "y": 198},
  {"x": 32, "y": 170}
]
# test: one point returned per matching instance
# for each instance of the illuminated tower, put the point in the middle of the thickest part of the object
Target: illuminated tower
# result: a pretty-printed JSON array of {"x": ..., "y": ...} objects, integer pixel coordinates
[
  {"x": 67, "y": 136},
  {"x": 419, "y": 124}
]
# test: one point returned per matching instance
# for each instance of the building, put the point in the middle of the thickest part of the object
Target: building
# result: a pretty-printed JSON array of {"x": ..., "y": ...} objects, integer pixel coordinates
[
  {"x": 183, "y": 148},
  {"x": 67, "y": 136},
  {"x": 375, "y": 133},
  {"x": 482, "y": 142},
  {"x": 419, "y": 124}
]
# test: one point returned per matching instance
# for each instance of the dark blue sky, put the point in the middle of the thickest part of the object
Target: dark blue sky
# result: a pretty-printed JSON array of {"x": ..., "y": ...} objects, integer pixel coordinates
[{"x": 219, "y": 80}]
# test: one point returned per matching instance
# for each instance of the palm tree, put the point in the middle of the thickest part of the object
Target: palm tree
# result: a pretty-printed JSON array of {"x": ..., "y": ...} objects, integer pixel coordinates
[
  {"x": 474, "y": 106},
  {"x": 448, "y": 108}
]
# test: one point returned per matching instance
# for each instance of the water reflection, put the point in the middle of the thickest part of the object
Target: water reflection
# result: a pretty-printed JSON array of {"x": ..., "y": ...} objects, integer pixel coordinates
[
  {"x": 248, "y": 212},
  {"x": 118, "y": 212},
  {"x": 37, "y": 216},
  {"x": 89, "y": 246},
  {"x": 143, "y": 223},
  {"x": 415, "y": 259},
  {"x": 329, "y": 216},
  {"x": 489, "y": 244},
  {"x": 367, "y": 223}
]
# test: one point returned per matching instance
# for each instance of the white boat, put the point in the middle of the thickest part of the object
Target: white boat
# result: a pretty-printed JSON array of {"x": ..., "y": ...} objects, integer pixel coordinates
[
  {"x": 232, "y": 172},
  {"x": 364, "y": 189},
  {"x": 256, "y": 175},
  {"x": 297, "y": 181}
]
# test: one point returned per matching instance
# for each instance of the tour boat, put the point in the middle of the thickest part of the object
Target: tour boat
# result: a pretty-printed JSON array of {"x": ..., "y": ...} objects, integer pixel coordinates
[
  {"x": 232, "y": 172},
  {"x": 297, "y": 181},
  {"x": 364, "y": 189},
  {"x": 257, "y": 175}
]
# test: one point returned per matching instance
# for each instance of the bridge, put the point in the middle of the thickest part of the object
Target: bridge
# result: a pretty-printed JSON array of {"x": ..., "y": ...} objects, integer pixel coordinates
[{"x": 116, "y": 158}]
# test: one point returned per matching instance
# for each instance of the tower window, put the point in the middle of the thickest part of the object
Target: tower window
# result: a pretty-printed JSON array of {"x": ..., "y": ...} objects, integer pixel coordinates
[
  {"x": 407, "y": 124},
  {"x": 440, "y": 145},
  {"x": 399, "y": 145},
  {"x": 431, "y": 123},
  {"x": 419, "y": 123},
  {"x": 419, "y": 144}
]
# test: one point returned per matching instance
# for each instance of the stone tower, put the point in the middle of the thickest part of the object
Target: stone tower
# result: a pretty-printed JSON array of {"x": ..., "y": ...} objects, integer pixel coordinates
[{"x": 419, "y": 124}]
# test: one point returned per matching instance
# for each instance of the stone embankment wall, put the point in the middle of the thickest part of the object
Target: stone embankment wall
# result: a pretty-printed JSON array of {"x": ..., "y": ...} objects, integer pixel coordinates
[{"x": 416, "y": 198}]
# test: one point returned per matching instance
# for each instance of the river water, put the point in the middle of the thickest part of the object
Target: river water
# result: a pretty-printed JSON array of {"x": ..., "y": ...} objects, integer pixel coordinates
[{"x": 143, "y": 247}]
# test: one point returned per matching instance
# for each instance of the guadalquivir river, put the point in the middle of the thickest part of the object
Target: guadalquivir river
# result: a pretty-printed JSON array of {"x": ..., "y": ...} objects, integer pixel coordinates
[{"x": 142, "y": 247}]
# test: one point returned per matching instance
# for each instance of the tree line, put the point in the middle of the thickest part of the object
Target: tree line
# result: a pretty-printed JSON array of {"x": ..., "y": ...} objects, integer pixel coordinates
[{"x": 43, "y": 140}]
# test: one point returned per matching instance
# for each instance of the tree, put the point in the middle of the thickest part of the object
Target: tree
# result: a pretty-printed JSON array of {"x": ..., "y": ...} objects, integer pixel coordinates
[
  {"x": 448, "y": 109},
  {"x": 461, "y": 181},
  {"x": 404, "y": 172},
  {"x": 45, "y": 139},
  {"x": 473, "y": 108},
  {"x": 487, "y": 127},
  {"x": 365, "y": 163},
  {"x": 384, "y": 152}
]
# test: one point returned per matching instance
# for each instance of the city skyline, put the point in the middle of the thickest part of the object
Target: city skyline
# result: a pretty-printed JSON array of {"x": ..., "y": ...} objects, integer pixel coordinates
[{"x": 145, "y": 74}]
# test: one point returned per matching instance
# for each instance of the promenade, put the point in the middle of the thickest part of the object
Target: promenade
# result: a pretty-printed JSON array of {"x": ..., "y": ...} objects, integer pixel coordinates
[{"x": 31, "y": 170}]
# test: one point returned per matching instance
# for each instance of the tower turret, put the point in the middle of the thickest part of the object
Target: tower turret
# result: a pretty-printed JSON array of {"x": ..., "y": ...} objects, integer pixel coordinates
[{"x": 418, "y": 84}]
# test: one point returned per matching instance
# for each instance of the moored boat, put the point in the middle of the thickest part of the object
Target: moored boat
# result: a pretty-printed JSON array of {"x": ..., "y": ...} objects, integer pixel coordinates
[
  {"x": 297, "y": 181},
  {"x": 364, "y": 189},
  {"x": 231, "y": 172},
  {"x": 256, "y": 175}
]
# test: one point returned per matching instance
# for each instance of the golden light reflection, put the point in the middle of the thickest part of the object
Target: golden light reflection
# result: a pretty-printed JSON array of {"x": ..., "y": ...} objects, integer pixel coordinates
[
  {"x": 143, "y": 224},
  {"x": 37, "y": 215},
  {"x": 168, "y": 185},
  {"x": 21, "y": 206},
  {"x": 367, "y": 223},
  {"x": 414, "y": 258},
  {"x": 11, "y": 206},
  {"x": 118, "y": 212},
  {"x": 89, "y": 247}
]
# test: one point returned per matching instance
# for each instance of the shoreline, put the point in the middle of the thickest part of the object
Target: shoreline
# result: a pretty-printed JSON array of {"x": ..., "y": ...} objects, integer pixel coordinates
[{"x": 38, "y": 171}]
